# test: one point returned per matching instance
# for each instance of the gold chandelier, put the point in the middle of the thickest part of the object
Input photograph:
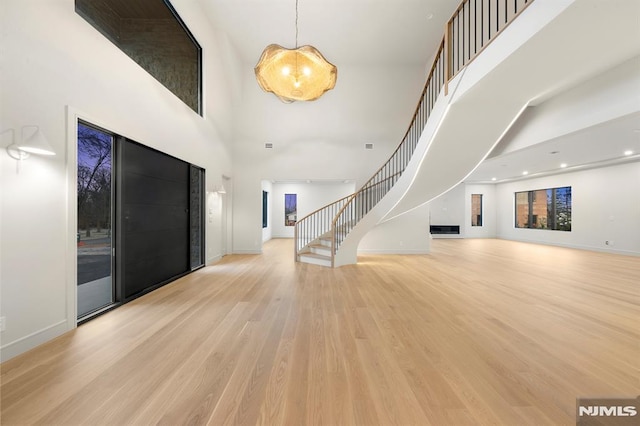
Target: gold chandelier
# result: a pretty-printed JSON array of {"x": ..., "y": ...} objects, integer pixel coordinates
[{"x": 300, "y": 74}]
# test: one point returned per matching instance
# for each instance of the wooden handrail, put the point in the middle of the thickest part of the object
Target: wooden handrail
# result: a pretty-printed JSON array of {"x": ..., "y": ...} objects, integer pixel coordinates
[
  {"x": 415, "y": 113},
  {"x": 322, "y": 208},
  {"x": 454, "y": 53}
]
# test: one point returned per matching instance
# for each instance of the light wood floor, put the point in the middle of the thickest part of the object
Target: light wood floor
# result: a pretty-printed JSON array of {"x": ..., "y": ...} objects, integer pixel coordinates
[{"x": 478, "y": 332}]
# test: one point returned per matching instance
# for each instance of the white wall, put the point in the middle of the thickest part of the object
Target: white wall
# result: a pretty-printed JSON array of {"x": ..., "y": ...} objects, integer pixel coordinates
[
  {"x": 448, "y": 209},
  {"x": 605, "y": 207},
  {"x": 268, "y": 231},
  {"x": 310, "y": 197},
  {"x": 405, "y": 234},
  {"x": 53, "y": 60},
  {"x": 489, "y": 211},
  {"x": 216, "y": 235}
]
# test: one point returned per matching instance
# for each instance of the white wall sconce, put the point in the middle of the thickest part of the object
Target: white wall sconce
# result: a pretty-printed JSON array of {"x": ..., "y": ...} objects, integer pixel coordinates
[{"x": 32, "y": 141}]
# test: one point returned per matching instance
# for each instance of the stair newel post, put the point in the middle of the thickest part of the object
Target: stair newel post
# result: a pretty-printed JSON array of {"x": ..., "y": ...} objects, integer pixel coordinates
[
  {"x": 334, "y": 230},
  {"x": 295, "y": 242}
]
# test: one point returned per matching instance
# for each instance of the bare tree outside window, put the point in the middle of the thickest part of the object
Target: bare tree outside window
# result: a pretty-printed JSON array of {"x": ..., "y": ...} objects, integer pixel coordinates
[{"x": 94, "y": 179}]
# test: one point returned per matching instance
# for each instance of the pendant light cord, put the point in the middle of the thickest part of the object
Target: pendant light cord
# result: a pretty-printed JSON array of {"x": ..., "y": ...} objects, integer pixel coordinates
[{"x": 296, "y": 24}]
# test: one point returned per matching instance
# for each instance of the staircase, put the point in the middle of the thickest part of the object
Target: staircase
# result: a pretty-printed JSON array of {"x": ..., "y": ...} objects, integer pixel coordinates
[
  {"x": 472, "y": 95},
  {"x": 319, "y": 252}
]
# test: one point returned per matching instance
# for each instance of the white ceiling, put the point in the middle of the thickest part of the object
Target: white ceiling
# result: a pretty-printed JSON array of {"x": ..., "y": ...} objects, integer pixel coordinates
[
  {"x": 404, "y": 32},
  {"x": 595, "y": 146},
  {"x": 345, "y": 31}
]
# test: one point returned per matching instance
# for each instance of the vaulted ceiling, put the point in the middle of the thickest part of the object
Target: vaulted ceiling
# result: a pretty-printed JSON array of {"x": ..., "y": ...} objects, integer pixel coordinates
[
  {"x": 345, "y": 31},
  {"x": 385, "y": 33}
]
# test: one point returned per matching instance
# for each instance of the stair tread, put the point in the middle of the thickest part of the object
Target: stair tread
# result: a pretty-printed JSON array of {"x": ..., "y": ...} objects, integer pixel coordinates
[
  {"x": 319, "y": 245},
  {"x": 316, "y": 255}
]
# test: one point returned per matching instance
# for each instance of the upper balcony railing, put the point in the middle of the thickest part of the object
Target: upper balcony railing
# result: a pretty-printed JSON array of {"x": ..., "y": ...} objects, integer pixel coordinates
[{"x": 474, "y": 24}]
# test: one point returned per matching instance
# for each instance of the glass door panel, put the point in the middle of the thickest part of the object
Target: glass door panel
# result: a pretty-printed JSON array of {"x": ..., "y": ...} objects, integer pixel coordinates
[{"x": 94, "y": 231}]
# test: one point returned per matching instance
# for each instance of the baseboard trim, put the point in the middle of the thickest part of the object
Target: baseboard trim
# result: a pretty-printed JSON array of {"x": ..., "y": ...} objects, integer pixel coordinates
[
  {"x": 574, "y": 246},
  {"x": 32, "y": 340},
  {"x": 383, "y": 251},
  {"x": 248, "y": 252},
  {"x": 214, "y": 259}
]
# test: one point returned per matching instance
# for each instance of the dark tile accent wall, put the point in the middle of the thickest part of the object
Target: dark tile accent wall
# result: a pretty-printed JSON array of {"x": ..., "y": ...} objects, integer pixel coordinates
[{"x": 160, "y": 47}]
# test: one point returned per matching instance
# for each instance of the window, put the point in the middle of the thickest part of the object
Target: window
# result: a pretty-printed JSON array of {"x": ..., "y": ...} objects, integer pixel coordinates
[
  {"x": 290, "y": 209},
  {"x": 544, "y": 209},
  {"x": 265, "y": 206},
  {"x": 152, "y": 34},
  {"x": 476, "y": 209}
]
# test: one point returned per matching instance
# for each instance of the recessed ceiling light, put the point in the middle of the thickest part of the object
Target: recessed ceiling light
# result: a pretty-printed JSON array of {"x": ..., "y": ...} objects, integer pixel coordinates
[
  {"x": 563, "y": 165},
  {"x": 628, "y": 152},
  {"x": 493, "y": 178},
  {"x": 554, "y": 152},
  {"x": 525, "y": 173},
  {"x": 429, "y": 16}
]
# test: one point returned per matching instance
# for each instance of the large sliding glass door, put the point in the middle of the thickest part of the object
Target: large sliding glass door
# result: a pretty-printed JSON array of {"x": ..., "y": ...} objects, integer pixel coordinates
[
  {"x": 95, "y": 207},
  {"x": 140, "y": 219}
]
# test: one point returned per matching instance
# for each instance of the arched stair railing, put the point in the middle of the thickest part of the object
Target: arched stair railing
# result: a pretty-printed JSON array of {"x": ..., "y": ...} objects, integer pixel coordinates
[{"x": 474, "y": 24}]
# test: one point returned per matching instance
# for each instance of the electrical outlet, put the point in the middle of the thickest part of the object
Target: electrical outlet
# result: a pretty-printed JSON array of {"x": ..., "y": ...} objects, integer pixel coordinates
[{"x": 3, "y": 323}]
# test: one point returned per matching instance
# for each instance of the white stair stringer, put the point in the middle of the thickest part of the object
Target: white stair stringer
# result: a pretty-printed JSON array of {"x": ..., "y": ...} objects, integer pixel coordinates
[
  {"x": 348, "y": 250},
  {"x": 550, "y": 47}
]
